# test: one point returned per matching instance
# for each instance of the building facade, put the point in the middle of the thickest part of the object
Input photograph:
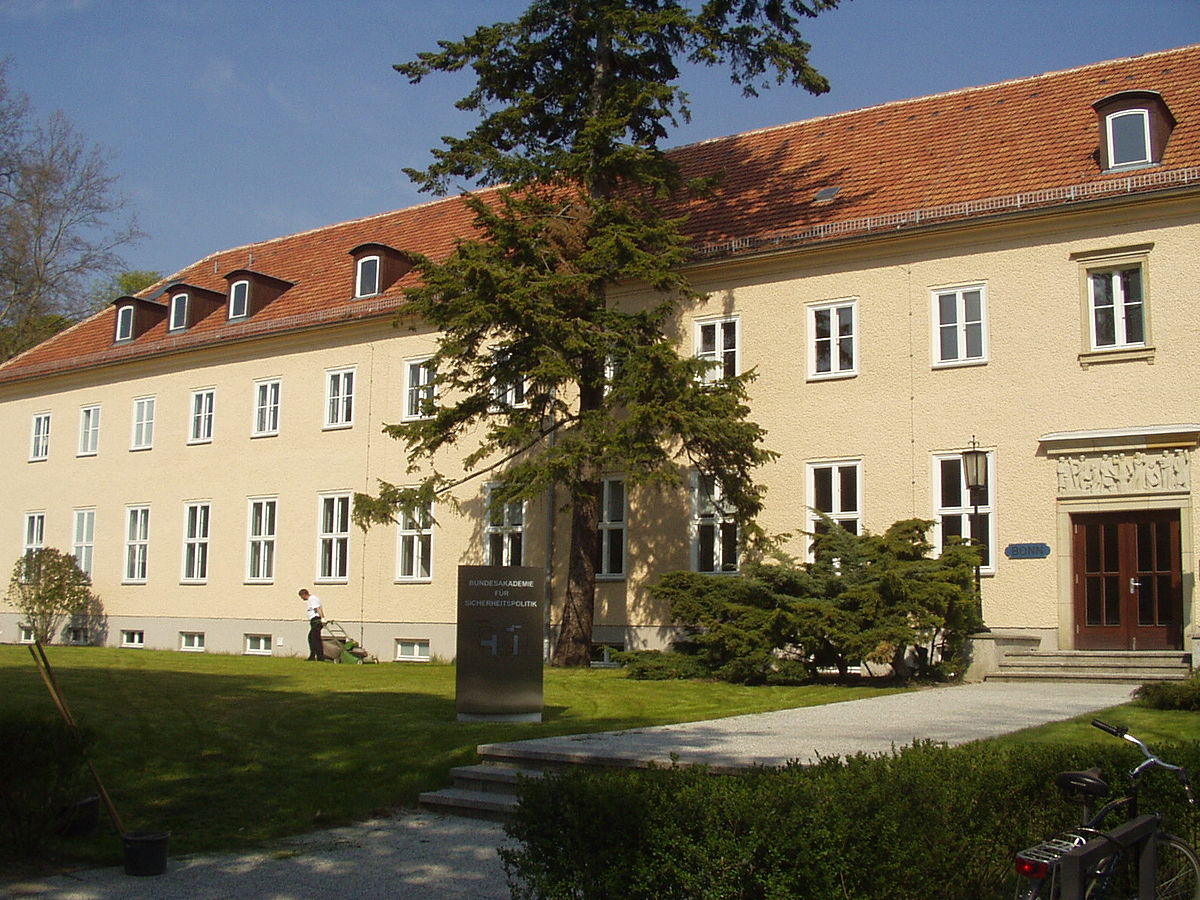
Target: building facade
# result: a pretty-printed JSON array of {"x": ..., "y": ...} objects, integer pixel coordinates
[{"x": 1007, "y": 268}]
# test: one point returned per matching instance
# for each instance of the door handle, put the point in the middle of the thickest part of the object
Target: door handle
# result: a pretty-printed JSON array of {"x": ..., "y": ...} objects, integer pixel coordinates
[{"x": 1134, "y": 584}]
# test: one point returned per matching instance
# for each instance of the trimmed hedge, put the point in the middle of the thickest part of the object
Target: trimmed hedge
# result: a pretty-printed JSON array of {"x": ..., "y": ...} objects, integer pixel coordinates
[
  {"x": 1183, "y": 695},
  {"x": 925, "y": 821}
]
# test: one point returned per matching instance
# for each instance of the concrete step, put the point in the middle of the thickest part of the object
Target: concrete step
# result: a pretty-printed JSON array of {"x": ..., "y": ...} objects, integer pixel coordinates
[
  {"x": 1092, "y": 665},
  {"x": 487, "y": 790}
]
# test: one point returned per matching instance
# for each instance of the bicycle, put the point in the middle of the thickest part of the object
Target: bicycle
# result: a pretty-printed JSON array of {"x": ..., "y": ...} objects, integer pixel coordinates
[{"x": 1133, "y": 860}]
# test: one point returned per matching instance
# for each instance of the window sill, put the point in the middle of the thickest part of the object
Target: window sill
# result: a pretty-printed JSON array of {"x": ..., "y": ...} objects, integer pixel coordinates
[
  {"x": 337, "y": 426},
  {"x": 1117, "y": 355},
  {"x": 428, "y": 580},
  {"x": 959, "y": 363},
  {"x": 832, "y": 376}
]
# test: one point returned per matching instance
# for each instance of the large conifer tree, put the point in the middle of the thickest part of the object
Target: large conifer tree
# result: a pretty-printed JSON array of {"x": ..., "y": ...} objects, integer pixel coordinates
[{"x": 574, "y": 99}]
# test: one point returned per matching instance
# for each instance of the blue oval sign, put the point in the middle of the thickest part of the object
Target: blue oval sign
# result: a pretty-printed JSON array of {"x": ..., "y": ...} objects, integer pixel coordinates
[{"x": 1027, "y": 551}]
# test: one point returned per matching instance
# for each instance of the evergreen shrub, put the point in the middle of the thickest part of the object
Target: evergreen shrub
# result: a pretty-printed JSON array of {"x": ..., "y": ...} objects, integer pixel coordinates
[
  {"x": 1183, "y": 695},
  {"x": 924, "y": 821},
  {"x": 657, "y": 665}
]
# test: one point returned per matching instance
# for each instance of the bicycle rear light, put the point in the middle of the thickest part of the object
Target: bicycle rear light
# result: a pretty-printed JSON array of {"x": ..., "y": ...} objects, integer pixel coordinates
[{"x": 1032, "y": 868}]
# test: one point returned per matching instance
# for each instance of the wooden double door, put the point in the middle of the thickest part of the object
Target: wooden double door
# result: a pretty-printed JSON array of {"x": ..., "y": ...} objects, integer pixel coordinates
[{"x": 1128, "y": 582}]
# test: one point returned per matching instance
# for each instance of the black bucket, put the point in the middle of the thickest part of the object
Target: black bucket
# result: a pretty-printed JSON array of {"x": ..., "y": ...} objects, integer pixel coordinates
[{"x": 146, "y": 852}]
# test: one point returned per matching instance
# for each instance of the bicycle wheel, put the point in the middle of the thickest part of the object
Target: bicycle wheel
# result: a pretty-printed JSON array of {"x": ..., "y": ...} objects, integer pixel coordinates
[{"x": 1178, "y": 875}]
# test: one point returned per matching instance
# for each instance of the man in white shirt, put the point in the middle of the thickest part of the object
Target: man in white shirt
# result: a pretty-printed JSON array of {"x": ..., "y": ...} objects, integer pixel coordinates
[{"x": 316, "y": 650}]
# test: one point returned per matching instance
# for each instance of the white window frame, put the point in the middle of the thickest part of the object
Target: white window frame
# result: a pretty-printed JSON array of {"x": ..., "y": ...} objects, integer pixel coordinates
[
  {"x": 39, "y": 437},
  {"x": 359, "y": 284},
  {"x": 191, "y": 641},
  {"x": 133, "y": 637},
  {"x": 34, "y": 533},
  {"x": 708, "y": 518},
  {"x": 83, "y": 544},
  {"x": 834, "y": 312},
  {"x": 964, "y": 510},
  {"x": 1122, "y": 308},
  {"x": 414, "y": 546},
  {"x": 89, "y": 430},
  {"x": 179, "y": 313},
  {"x": 78, "y": 635},
  {"x": 124, "y": 327},
  {"x": 262, "y": 524},
  {"x": 846, "y": 513},
  {"x": 25, "y": 634},
  {"x": 197, "y": 526},
  {"x": 257, "y": 644},
  {"x": 504, "y": 530},
  {"x": 339, "y": 397},
  {"x": 239, "y": 299},
  {"x": 960, "y": 329},
  {"x": 419, "y": 389},
  {"x": 267, "y": 393},
  {"x": 333, "y": 538},
  {"x": 725, "y": 360},
  {"x": 142, "y": 437},
  {"x": 614, "y": 516},
  {"x": 1110, "y": 123},
  {"x": 137, "y": 545},
  {"x": 202, "y": 406},
  {"x": 418, "y": 650}
]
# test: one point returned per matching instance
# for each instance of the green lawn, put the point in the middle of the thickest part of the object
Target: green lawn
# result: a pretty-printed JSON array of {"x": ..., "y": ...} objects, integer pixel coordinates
[{"x": 228, "y": 751}]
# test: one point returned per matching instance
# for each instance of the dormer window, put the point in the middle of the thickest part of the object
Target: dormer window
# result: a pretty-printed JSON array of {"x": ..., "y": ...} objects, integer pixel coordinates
[
  {"x": 179, "y": 312},
  {"x": 1134, "y": 129},
  {"x": 367, "y": 281},
  {"x": 1128, "y": 135},
  {"x": 239, "y": 299},
  {"x": 124, "y": 324}
]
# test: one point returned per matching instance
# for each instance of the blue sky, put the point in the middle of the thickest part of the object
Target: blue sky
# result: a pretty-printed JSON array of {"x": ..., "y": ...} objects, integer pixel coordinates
[{"x": 232, "y": 121}]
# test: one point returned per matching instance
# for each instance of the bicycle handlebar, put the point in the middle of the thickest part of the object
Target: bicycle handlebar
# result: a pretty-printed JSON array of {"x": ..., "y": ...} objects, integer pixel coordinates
[
  {"x": 1114, "y": 730},
  {"x": 1120, "y": 731}
]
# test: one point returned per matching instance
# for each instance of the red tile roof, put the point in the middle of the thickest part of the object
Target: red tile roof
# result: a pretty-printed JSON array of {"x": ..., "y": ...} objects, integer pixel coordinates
[{"x": 1025, "y": 143}]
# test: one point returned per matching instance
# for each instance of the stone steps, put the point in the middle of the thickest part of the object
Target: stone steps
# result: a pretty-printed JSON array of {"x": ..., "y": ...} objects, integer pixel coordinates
[
  {"x": 484, "y": 791},
  {"x": 1135, "y": 667}
]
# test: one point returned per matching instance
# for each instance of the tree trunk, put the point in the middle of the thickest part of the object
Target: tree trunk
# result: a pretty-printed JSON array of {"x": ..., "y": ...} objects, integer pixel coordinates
[{"x": 574, "y": 647}]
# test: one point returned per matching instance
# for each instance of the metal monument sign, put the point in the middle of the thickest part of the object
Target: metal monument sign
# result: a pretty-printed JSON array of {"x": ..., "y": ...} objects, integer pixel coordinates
[{"x": 499, "y": 674}]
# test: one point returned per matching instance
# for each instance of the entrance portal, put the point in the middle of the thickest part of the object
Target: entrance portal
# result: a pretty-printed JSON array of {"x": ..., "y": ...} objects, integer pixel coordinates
[{"x": 1128, "y": 585}]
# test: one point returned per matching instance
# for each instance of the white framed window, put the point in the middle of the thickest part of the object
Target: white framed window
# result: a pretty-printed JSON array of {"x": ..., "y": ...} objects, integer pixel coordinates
[
  {"x": 26, "y": 635},
  {"x": 418, "y": 388},
  {"x": 612, "y": 529},
  {"x": 39, "y": 437},
  {"x": 196, "y": 522},
  {"x": 191, "y": 641},
  {"x": 266, "y": 408},
  {"x": 258, "y": 644},
  {"x": 410, "y": 650},
  {"x": 1118, "y": 314},
  {"x": 260, "y": 548},
  {"x": 124, "y": 330},
  {"x": 35, "y": 532},
  {"x": 143, "y": 424},
  {"x": 202, "y": 416},
  {"x": 961, "y": 511},
  {"x": 414, "y": 545},
  {"x": 1128, "y": 136},
  {"x": 78, "y": 635},
  {"x": 504, "y": 532},
  {"x": 960, "y": 325},
  {"x": 513, "y": 393},
  {"x": 239, "y": 300},
  {"x": 718, "y": 341},
  {"x": 833, "y": 339},
  {"x": 133, "y": 637},
  {"x": 339, "y": 398},
  {"x": 84, "y": 541},
  {"x": 137, "y": 544},
  {"x": 179, "y": 312},
  {"x": 715, "y": 533},
  {"x": 89, "y": 430},
  {"x": 835, "y": 489},
  {"x": 366, "y": 281},
  {"x": 333, "y": 551}
]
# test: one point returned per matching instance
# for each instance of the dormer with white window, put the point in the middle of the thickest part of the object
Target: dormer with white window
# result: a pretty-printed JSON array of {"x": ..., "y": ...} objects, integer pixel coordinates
[
  {"x": 250, "y": 291},
  {"x": 135, "y": 316},
  {"x": 187, "y": 305},
  {"x": 1134, "y": 129},
  {"x": 377, "y": 267}
]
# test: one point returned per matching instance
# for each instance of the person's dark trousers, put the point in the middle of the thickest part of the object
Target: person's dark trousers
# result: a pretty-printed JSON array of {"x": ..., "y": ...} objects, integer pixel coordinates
[{"x": 315, "y": 648}]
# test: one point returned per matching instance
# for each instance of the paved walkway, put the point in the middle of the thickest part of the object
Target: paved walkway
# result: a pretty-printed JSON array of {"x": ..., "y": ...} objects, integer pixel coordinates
[{"x": 428, "y": 855}]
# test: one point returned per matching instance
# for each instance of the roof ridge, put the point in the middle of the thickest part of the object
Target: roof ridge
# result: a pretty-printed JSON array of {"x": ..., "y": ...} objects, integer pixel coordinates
[{"x": 926, "y": 97}]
